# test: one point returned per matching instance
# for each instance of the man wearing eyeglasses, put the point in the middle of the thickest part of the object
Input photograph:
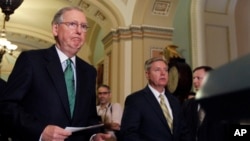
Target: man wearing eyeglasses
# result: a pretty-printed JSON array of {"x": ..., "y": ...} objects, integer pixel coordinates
[
  {"x": 50, "y": 89},
  {"x": 110, "y": 113}
]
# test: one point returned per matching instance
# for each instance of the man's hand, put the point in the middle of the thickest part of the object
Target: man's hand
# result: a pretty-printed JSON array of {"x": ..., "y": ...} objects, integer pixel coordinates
[
  {"x": 101, "y": 137},
  {"x": 112, "y": 126},
  {"x": 115, "y": 126},
  {"x": 54, "y": 133}
]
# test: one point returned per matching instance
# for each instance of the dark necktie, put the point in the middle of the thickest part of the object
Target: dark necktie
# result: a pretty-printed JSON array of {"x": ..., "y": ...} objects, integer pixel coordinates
[
  {"x": 166, "y": 112},
  {"x": 69, "y": 79}
]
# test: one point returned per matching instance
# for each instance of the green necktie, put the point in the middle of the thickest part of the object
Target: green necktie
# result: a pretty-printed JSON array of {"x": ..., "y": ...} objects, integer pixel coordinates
[
  {"x": 166, "y": 112},
  {"x": 69, "y": 79}
]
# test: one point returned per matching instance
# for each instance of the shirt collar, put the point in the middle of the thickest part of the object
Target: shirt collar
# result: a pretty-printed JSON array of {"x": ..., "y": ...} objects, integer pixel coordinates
[
  {"x": 106, "y": 106},
  {"x": 63, "y": 57},
  {"x": 155, "y": 92}
]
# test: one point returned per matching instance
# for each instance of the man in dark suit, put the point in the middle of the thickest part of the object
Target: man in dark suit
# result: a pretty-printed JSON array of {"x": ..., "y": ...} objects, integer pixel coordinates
[
  {"x": 2, "y": 85},
  {"x": 143, "y": 118},
  {"x": 35, "y": 103},
  {"x": 202, "y": 128},
  {"x": 192, "y": 109}
]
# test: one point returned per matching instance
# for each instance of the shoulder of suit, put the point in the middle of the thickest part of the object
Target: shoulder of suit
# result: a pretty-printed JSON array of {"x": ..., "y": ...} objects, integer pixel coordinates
[
  {"x": 32, "y": 55},
  {"x": 135, "y": 96},
  {"x": 137, "y": 93},
  {"x": 81, "y": 61},
  {"x": 84, "y": 65}
]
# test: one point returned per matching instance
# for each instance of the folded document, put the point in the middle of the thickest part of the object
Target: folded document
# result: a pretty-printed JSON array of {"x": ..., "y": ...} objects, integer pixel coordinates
[{"x": 75, "y": 129}]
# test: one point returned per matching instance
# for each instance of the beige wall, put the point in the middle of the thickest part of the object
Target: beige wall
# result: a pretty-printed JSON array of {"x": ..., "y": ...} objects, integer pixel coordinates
[
  {"x": 215, "y": 34},
  {"x": 242, "y": 19}
]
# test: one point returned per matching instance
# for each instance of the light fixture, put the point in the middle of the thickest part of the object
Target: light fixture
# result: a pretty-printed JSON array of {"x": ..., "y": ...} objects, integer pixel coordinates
[
  {"x": 5, "y": 45},
  {"x": 8, "y": 7}
]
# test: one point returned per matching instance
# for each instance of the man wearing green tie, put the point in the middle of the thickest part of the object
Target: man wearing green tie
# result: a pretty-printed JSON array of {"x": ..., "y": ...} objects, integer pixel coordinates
[{"x": 46, "y": 92}]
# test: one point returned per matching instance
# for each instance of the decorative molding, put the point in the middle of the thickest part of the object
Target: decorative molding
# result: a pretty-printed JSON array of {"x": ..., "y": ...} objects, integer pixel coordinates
[
  {"x": 221, "y": 7},
  {"x": 99, "y": 15},
  {"x": 161, "y": 7},
  {"x": 125, "y": 2},
  {"x": 156, "y": 52},
  {"x": 35, "y": 39},
  {"x": 81, "y": 3},
  {"x": 139, "y": 31},
  {"x": 85, "y": 5}
]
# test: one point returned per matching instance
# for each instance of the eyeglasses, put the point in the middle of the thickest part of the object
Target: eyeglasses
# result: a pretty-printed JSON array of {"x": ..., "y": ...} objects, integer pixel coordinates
[
  {"x": 103, "y": 92},
  {"x": 75, "y": 25}
]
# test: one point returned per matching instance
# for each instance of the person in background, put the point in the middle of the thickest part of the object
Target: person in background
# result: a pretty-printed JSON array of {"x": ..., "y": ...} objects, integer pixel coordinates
[
  {"x": 198, "y": 75},
  {"x": 110, "y": 113},
  {"x": 153, "y": 114},
  {"x": 201, "y": 128},
  {"x": 51, "y": 89}
]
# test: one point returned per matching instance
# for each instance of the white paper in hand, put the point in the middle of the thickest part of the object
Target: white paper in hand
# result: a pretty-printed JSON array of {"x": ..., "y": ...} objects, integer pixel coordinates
[{"x": 75, "y": 129}]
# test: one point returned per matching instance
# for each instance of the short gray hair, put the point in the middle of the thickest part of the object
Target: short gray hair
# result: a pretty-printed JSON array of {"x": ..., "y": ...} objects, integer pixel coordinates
[
  {"x": 58, "y": 17},
  {"x": 148, "y": 63}
]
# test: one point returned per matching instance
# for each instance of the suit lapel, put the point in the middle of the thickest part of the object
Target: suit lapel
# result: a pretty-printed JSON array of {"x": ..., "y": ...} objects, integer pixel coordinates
[
  {"x": 80, "y": 87},
  {"x": 156, "y": 106},
  {"x": 83, "y": 89},
  {"x": 55, "y": 70}
]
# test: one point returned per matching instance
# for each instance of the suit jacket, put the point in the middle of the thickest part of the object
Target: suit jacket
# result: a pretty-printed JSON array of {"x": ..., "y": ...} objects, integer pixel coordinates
[
  {"x": 2, "y": 85},
  {"x": 36, "y": 96},
  {"x": 190, "y": 108},
  {"x": 208, "y": 130},
  {"x": 3, "y": 135},
  {"x": 143, "y": 119}
]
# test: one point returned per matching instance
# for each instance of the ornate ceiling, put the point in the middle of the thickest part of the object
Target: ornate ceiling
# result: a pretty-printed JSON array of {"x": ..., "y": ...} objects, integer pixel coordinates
[{"x": 29, "y": 27}]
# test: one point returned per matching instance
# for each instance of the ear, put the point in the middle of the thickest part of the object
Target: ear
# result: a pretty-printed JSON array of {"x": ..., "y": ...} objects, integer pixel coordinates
[
  {"x": 146, "y": 74},
  {"x": 55, "y": 29}
]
